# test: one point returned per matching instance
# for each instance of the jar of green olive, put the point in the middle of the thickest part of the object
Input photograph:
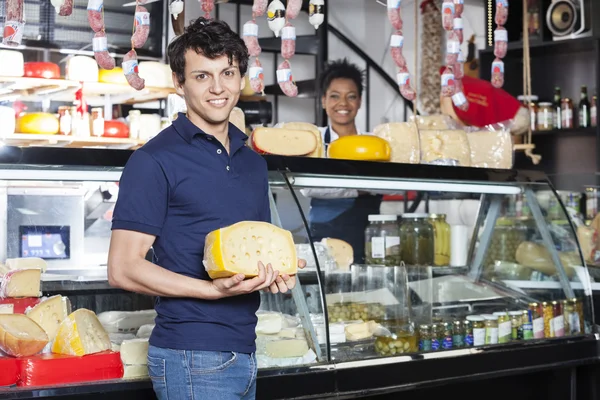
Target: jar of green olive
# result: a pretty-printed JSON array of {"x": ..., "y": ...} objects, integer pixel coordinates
[
  {"x": 417, "y": 240},
  {"x": 508, "y": 235},
  {"x": 491, "y": 329},
  {"x": 382, "y": 240},
  {"x": 516, "y": 322},
  {"x": 478, "y": 326}
]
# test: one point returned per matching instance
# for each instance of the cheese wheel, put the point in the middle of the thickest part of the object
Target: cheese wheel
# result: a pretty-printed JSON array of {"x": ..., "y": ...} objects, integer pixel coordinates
[
  {"x": 81, "y": 333},
  {"x": 37, "y": 69},
  {"x": 114, "y": 75},
  {"x": 238, "y": 118},
  {"x": 12, "y": 63},
  {"x": 82, "y": 69},
  {"x": 360, "y": 147},
  {"x": 38, "y": 123},
  {"x": 403, "y": 139},
  {"x": 305, "y": 126},
  {"x": 283, "y": 142},
  {"x": 341, "y": 251},
  {"x": 238, "y": 248},
  {"x": 20, "y": 336},
  {"x": 26, "y": 263},
  {"x": 21, "y": 283},
  {"x": 50, "y": 313}
]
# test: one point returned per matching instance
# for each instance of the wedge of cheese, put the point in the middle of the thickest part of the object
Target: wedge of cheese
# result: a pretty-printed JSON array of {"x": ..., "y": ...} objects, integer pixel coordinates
[
  {"x": 283, "y": 142},
  {"x": 341, "y": 251},
  {"x": 403, "y": 139},
  {"x": 21, "y": 283},
  {"x": 445, "y": 145},
  {"x": 238, "y": 248},
  {"x": 7, "y": 308},
  {"x": 20, "y": 336},
  {"x": 305, "y": 126},
  {"x": 81, "y": 333},
  {"x": 134, "y": 352},
  {"x": 491, "y": 149},
  {"x": 238, "y": 118},
  {"x": 361, "y": 148},
  {"x": 50, "y": 313},
  {"x": 26, "y": 263},
  {"x": 286, "y": 348}
]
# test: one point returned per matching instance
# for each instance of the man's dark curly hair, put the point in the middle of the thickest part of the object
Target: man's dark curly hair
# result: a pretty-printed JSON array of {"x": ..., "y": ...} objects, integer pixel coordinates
[
  {"x": 342, "y": 69},
  {"x": 212, "y": 39}
]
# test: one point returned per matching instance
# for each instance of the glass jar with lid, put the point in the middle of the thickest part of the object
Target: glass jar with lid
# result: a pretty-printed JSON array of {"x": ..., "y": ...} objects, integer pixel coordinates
[
  {"x": 382, "y": 240},
  {"x": 504, "y": 327},
  {"x": 530, "y": 102},
  {"x": 417, "y": 240},
  {"x": 491, "y": 329},
  {"x": 441, "y": 241},
  {"x": 475, "y": 336},
  {"x": 508, "y": 234},
  {"x": 545, "y": 116}
]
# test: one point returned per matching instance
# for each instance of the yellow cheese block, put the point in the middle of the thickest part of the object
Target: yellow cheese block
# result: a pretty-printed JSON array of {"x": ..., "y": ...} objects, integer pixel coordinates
[
  {"x": 21, "y": 283},
  {"x": 238, "y": 248},
  {"x": 50, "y": 313},
  {"x": 305, "y": 126},
  {"x": 40, "y": 123},
  {"x": 360, "y": 147},
  {"x": 341, "y": 251},
  {"x": 403, "y": 139},
  {"x": 20, "y": 336},
  {"x": 445, "y": 145},
  {"x": 81, "y": 333},
  {"x": 114, "y": 75}
]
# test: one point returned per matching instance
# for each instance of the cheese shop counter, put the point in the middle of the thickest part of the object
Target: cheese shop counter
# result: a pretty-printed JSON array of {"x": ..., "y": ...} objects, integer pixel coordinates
[{"x": 438, "y": 278}]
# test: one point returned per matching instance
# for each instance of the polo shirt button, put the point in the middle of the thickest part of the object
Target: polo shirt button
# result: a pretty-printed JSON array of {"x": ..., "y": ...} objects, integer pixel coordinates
[
  {"x": 228, "y": 168},
  {"x": 219, "y": 151}
]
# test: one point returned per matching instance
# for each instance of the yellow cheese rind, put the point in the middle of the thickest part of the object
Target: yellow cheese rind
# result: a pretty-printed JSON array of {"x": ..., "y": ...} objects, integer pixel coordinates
[
  {"x": 341, "y": 251},
  {"x": 50, "y": 313},
  {"x": 238, "y": 248},
  {"x": 21, "y": 283},
  {"x": 81, "y": 333},
  {"x": 361, "y": 148},
  {"x": 283, "y": 142},
  {"x": 20, "y": 336},
  {"x": 445, "y": 145},
  {"x": 305, "y": 126},
  {"x": 403, "y": 139}
]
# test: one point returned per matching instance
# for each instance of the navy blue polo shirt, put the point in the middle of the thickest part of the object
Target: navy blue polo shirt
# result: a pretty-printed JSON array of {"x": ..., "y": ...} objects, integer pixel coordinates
[{"x": 180, "y": 186}]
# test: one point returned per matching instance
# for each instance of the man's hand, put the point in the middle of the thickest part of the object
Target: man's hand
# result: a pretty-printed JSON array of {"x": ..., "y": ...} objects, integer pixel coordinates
[
  {"x": 284, "y": 282},
  {"x": 236, "y": 285}
]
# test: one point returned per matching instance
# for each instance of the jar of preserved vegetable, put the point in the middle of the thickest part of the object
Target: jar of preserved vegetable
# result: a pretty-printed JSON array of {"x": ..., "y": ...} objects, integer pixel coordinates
[
  {"x": 416, "y": 240},
  {"x": 516, "y": 322},
  {"x": 545, "y": 117},
  {"x": 537, "y": 320},
  {"x": 527, "y": 325},
  {"x": 437, "y": 334},
  {"x": 425, "y": 337},
  {"x": 558, "y": 319},
  {"x": 491, "y": 329},
  {"x": 477, "y": 337},
  {"x": 382, "y": 237},
  {"x": 504, "y": 327},
  {"x": 567, "y": 113},
  {"x": 508, "y": 235},
  {"x": 441, "y": 241},
  {"x": 447, "y": 336},
  {"x": 578, "y": 306},
  {"x": 458, "y": 331},
  {"x": 530, "y": 102}
]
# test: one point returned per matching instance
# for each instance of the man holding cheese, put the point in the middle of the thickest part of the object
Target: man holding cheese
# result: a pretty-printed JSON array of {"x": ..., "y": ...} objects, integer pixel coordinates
[{"x": 195, "y": 177}]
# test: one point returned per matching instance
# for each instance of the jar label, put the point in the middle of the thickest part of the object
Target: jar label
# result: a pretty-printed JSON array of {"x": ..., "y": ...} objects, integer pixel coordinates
[
  {"x": 469, "y": 339},
  {"x": 558, "y": 324},
  {"x": 491, "y": 335},
  {"x": 527, "y": 331},
  {"x": 435, "y": 344},
  {"x": 378, "y": 247},
  {"x": 505, "y": 329},
  {"x": 392, "y": 245},
  {"x": 478, "y": 336},
  {"x": 447, "y": 343},
  {"x": 538, "y": 328},
  {"x": 425, "y": 345}
]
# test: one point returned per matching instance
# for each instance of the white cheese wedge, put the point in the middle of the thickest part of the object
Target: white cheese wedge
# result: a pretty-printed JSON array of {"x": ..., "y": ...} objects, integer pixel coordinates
[
  {"x": 82, "y": 69},
  {"x": 269, "y": 323},
  {"x": 135, "y": 371},
  {"x": 445, "y": 145},
  {"x": 238, "y": 249},
  {"x": 286, "y": 348},
  {"x": 305, "y": 126},
  {"x": 20, "y": 336},
  {"x": 21, "y": 283},
  {"x": 81, "y": 333},
  {"x": 126, "y": 321},
  {"x": 7, "y": 308},
  {"x": 491, "y": 149},
  {"x": 134, "y": 351},
  {"x": 26, "y": 263},
  {"x": 12, "y": 63},
  {"x": 145, "y": 331},
  {"x": 341, "y": 251},
  {"x": 403, "y": 139},
  {"x": 50, "y": 313},
  {"x": 283, "y": 142}
]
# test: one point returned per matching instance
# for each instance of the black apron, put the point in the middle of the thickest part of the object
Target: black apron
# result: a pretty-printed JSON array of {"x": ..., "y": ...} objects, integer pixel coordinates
[{"x": 350, "y": 225}]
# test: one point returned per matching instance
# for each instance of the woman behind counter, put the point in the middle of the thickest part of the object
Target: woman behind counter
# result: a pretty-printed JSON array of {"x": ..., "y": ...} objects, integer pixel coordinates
[{"x": 341, "y": 213}]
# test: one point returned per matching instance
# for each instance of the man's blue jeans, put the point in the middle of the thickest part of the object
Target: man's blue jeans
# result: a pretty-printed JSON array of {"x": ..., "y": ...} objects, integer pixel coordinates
[{"x": 199, "y": 375}]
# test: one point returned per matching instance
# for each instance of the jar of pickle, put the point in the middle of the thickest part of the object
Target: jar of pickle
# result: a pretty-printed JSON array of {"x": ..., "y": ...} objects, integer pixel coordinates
[
  {"x": 516, "y": 322},
  {"x": 527, "y": 325},
  {"x": 491, "y": 329},
  {"x": 477, "y": 337},
  {"x": 504, "y": 327},
  {"x": 437, "y": 335},
  {"x": 441, "y": 241},
  {"x": 506, "y": 238},
  {"x": 416, "y": 240},
  {"x": 537, "y": 320},
  {"x": 545, "y": 117},
  {"x": 425, "y": 337},
  {"x": 458, "y": 334},
  {"x": 548, "y": 315},
  {"x": 382, "y": 240}
]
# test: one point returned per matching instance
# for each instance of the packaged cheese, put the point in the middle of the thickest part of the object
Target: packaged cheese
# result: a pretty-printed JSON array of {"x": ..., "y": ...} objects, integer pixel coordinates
[
  {"x": 126, "y": 321},
  {"x": 403, "y": 139},
  {"x": 286, "y": 348},
  {"x": 360, "y": 148},
  {"x": 135, "y": 371},
  {"x": 437, "y": 122},
  {"x": 491, "y": 149},
  {"x": 21, "y": 283},
  {"x": 238, "y": 118},
  {"x": 445, "y": 145},
  {"x": 81, "y": 333},
  {"x": 341, "y": 251},
  {"x": 283, "y": 142},
  {"x": 134, "y": 352},
  {"x": 20, "y": 336},
  {"x": 145, "y": 331},
  {"x": 50, "y": 313},
  {"x": 238, "y": 249},
  {"x": 305, "y": 126}
]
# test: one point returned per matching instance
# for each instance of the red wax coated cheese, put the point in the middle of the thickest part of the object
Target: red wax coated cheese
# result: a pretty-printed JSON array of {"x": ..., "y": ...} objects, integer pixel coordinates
[
  {"x": 55, "y": 369},
  {"x": 20, "y": 305},
  {"x": 9, "y": 371}
]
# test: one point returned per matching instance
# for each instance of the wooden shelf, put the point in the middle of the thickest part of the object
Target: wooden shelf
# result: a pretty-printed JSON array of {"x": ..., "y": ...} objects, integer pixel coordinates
[
  {"x": 547, "y": 47},
  {"x": 29, "y": 140},
  {"x": 567, "y": 132}
]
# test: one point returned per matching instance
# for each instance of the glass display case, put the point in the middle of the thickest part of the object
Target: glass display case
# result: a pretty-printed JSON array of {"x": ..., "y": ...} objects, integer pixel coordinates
[{"x": 425, "y": 272}]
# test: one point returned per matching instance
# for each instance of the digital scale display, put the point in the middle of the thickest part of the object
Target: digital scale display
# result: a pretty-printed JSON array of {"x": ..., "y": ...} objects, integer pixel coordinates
[{"x": 47, "y": 242}]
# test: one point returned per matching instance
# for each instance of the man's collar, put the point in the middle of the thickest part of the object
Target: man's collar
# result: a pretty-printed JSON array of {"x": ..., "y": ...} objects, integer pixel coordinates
[{"x": 188, "y": 130}]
